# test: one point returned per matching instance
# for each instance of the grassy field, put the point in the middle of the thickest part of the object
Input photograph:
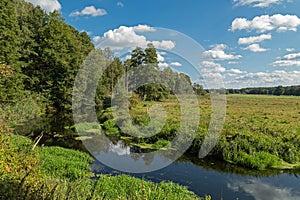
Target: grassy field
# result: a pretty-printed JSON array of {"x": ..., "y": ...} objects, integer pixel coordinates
[{"x": 259, "y": 132}]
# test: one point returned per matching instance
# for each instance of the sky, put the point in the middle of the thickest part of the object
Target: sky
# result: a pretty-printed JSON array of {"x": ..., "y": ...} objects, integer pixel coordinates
[{"x": 239, "y": 43}]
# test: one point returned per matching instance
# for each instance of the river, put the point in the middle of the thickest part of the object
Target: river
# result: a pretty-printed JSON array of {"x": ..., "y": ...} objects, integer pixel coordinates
[
  {"x": 220, "y": 180},
  {"x": 202, "y": 176}
]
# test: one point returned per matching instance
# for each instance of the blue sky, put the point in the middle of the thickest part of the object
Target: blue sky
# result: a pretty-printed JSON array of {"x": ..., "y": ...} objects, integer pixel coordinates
[{"x": 246, "y": 43}]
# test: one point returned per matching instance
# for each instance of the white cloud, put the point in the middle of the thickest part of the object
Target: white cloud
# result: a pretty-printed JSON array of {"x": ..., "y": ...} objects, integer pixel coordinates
[
  {"x": 176, "y": 64},
  {"x": 212, "y": 67},
  {"x": 163, "y": 65},
  {"x": 218, "y": 53},
  {"x": 264, "y": 23},
  {"x": 255, "y": 39},
  {"x": 164, "y": 44},
  {"x": 255, "y": 48},
  {"x": 288, "y": 60},
  {"x": 290, "y": 49},
  {"x": 292, "y": 56},
  {"x": 256, "y": 3},
  {"x": 89, "y": 11},
  {"x": 258, "y": 79},
  {"x": 260, "y": 190},
  {"x": 160, "y": 58},
  {"x": 233, "y": 63},
  {"x": 287, "y": 63},
  {"x": 212, "y": 74},
  {"x": 120, "y": 4},
  {"x": 47, "y": 5},
  {"x": 141, "y": 28},
  {"x": 96, "y": 39},
  {"x": 129, "y": 37},
  {"x": 235, "y": 71}
]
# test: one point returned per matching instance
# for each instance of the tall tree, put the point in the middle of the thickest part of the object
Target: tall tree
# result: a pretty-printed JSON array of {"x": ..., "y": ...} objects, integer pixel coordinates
[
  {"x": 12, "y": 85},
  {"x": 151, "y": 55}
]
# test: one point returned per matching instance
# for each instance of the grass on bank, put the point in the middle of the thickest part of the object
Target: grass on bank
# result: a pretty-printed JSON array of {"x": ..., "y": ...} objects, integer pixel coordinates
[
  {"x": 260, "y": 131},
  {"x": 58, "y": 173}
]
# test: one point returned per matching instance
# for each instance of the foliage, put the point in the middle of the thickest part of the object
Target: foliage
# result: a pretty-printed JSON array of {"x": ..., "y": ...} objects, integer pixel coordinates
[
  {"x": 13, "y": 151},
  {"x": 14, "y": 113},
  {"x": 259, "y": 132},
  {"x": 111, "y": 127},
  {"x": 64, "y": 163},
  {"x": 279, "y": 90},
  {"x": 39, "y": 52},
  {"x": 64, "y": 174}
]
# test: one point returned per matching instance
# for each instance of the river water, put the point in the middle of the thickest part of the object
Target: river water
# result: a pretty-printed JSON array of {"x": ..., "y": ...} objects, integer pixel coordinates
[
  {"x": 221, "y": 181},
  {"x": 218, "y": 179}
]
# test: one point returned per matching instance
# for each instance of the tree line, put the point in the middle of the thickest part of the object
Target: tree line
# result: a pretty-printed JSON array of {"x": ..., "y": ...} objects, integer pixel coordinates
[{"x": 279, "y": 90}]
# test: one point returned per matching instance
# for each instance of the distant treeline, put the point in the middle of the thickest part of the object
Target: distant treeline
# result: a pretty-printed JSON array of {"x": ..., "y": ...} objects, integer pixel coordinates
[{"x": 279, "y": 90}]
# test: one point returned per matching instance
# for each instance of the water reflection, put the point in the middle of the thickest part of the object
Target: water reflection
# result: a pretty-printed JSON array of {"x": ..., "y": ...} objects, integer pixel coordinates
[
  {"x": 261, "y": 190},
  {"x": 124, "y": 156},
  {"x": 119, "y": 148},
  {"x": 221, "y": 181}
]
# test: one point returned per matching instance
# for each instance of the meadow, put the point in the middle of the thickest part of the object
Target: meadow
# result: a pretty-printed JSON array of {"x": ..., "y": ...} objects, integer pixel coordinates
[{"x": 259, "y": 132}]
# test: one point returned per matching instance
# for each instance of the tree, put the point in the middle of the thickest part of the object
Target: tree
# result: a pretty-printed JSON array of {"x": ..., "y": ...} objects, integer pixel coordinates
[
  {"x": 278, "y": 90},
  {"x": 61, "y": 50},
  {"x": 11, "y": 85},
  {"x": 151, "y": 55},
  {"x": 137, "y": 57}
]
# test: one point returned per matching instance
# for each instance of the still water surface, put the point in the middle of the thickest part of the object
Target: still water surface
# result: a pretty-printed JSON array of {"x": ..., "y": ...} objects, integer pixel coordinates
[{"x": 221, "y": 181}]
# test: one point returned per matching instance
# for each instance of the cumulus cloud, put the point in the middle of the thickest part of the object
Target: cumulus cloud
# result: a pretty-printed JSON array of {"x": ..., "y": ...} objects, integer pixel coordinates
[
  {"x": 256, "y": 3},
  {"x": 120, "y": 4},
  {"x": 290, "y": 49},
  {"x": 176, "y": 64},
  {"x": 89, "y": 11},
  {"x": 264, "y": 23},
  {"x": 254, "y": 39},
  {"x": 260, "y": 190},
  {"x": 141, "y": 28},
  {"x": 235, "y": 71},
  {"x": 258, "y": 79},
  {"x": 211, "y": 67},
  {"x": 164, "y": 44},
  {"x": 160, "y": 57},
  {"x": 163, "y": 65},
  {"x": 218, "y": 53},
  {"x": 96, "y": 39},
  {"x": 292, "y": 56},
  {"x": 255, "y": 48},
  {"x": 287, "y": 63},
  {"x": 212, "y": 73},
  {"x": 129, "y": 37},
  {"x": 47, "y": 5},
  {"x": 288, "y": 60}
]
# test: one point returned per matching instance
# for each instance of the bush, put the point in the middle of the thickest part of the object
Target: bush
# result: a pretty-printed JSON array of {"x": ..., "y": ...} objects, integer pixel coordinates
[{"x": 111, "y": 127}]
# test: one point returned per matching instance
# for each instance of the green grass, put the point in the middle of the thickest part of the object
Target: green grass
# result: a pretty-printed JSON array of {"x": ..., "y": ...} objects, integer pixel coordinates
[
  {"x": 255, "y": 125},
  {"x": 57, "y": 173}
]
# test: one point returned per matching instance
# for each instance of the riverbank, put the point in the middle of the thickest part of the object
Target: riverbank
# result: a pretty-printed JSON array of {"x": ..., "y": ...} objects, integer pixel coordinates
[
  {"x": 58, "y": 173},
  {"x": 260, "y": 131}
]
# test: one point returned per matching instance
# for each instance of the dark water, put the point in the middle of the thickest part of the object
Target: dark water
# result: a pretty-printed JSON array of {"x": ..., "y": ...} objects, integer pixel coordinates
[{"x": 220, "y": 180}]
